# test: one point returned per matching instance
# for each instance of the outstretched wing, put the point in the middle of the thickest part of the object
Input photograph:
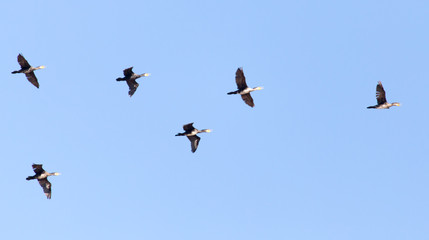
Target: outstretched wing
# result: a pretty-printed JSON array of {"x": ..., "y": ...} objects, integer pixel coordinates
[
  {"x": 240, "y": 79},
  {"x": 128, "y": 72},
  {"x": 46, "y": 185},
  {"x": 380, "y": 94},
  {"x": 188, "y": 127},
  {"x": 37, "y": 168},
  {"x": 195, "y": 140},
  {"x": 133, "y": 85},
  {"x": 248, "y": 99},
  {"x": 23, "y": 62},
  {"x": 31, "y": 77}
]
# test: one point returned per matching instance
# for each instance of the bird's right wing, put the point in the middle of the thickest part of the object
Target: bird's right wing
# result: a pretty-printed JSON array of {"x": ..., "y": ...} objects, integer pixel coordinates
[
  {"x": 240, "y": 79},
  {"x": 37, "y": 168},
  {"x": 128, "y": 72},
  {"x": 380, "y": 94},
  {"x": 188, "y": 127},
  {"x": 31, "y": 77},
  {"x": 23, "y": 62},
  {"x": 195, "y": 140},
  {"x": 46, "y": 185},
  {"x": 248, "y": 99}
]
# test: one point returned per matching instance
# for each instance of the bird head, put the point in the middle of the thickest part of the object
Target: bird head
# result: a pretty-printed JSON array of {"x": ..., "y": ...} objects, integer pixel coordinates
[
  {"x": 207, "y": 130},
  {"x": 146, "y": 74},
  {"x": 258, "y": 88},
  {"x": 396, "y": 104},
  {"x": 57, "y": 173},
  {"x": 41, "y": 67}
]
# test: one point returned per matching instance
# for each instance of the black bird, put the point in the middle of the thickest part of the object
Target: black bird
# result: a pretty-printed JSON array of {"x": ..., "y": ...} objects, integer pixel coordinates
[
  {"x": 28, "y": 70},
  {"x": 131, "y": 77},
  {"x": 191, "y": 133},
  {"x": 42, "y": 176},
  {"x": 381, "y": 98},
  {"x": 243, "y": 89}
]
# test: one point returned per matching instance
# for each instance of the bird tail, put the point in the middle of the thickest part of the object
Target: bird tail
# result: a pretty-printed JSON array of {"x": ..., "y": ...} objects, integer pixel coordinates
[
  {"x": 120, "y": 79},
  {"x": 235, "y": 92},
  {"x": 180, "y": 134},
  {"x": 370, "y": 107},
  {"x": 30, "y": 177},
  {"x": 15, "y": 72}
]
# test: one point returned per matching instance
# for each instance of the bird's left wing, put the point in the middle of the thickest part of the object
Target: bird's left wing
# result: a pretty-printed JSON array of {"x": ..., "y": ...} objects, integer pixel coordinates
[
  {"x": 32, "y": 78},
  {"x": 46, "y": 185},
  {"x": 248, "y": 99},
  {"x": 195, "y": 140},
  {"x": 133, "y": 85}
]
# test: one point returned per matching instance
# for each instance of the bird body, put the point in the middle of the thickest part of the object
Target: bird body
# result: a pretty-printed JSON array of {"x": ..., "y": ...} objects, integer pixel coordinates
[
  {"x": 130, "y": 78},
  {"x": 381, "y": 99},
  {"x": 28, "y": 70},
  {"x": 243, "y": 89},
  {"x": 42, "y": 177},
  {"x": 191, "y": 133}
]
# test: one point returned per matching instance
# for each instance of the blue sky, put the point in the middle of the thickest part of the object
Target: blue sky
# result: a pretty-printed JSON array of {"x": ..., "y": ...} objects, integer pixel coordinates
[{"x": 308, "y": 162}]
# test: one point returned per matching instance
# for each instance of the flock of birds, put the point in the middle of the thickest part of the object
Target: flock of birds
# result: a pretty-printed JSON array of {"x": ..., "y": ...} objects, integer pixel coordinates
[{"x": 130, "y": 77}]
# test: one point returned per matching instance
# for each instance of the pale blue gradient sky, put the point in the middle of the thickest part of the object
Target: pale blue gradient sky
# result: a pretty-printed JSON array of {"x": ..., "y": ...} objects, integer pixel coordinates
[{"x": 313, "y": 164}]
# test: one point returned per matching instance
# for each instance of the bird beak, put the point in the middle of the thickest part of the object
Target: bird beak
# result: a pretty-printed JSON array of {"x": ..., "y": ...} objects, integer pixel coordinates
[
  {"x": 147, "y": 74},
  {"x": 208, "y": 130},
  {"x": 42, "y": 66},
  {"x": 260, "y": 88},
  {"x": 56, "y": 174}
]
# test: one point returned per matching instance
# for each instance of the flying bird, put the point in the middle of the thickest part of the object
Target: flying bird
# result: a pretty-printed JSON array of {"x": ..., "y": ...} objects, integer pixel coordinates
[
  {"x": 243, "y": 89},
  {"x": 131, "y": 77},
  {"x": 191, "y": 133},
  {"x": 381, "y": 98},
  {"x": 28, "y": 70},
  {"x": 42, "y": 176}
]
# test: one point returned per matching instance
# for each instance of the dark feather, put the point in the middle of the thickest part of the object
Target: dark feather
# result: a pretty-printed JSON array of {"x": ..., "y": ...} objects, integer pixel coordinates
[
  {"x": 128, "y": 72},
  {"x": 133, "y": 85},
  {"x": 46, "y": 185},
  {"x": 188, "y": 127},
  {"x": 195, "y": 140},
  {"x": 23, "y": 62},
  {"x": 37, "y": 168},
  {"x": 248, "y": 99},
  {"x": 380, "y": 94},
  {"x": 32, "y": 78},
  {"x": 240, "y": 79}
]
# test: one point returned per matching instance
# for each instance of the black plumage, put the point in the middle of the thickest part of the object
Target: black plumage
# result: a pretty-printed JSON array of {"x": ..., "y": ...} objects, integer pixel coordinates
[
  {"x": 42, "y": 177},
  {"x": 130, "y": 77},
  {"x": 191, "y": 133},
  {"x": 382, "y": 103},
  {"x": 28, "y": 70},
  {"x": 243, "y": 89}
]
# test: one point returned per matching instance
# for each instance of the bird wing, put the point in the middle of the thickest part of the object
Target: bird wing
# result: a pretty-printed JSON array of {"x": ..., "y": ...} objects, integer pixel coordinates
[
  {"x": 133, "y": 85},
  {"x": 128, "y": 72},
  {"x": 248, "y": 99},
  {"x": 195, "y": 140},
  {"x": 46, "y": 185},
  {"x": 240, "y": 79},
  {"x": 31, "y": 77},
  {"x": 37, "y": 168},
  {"x": 188, "y": 127},
  {"x": 380, "y": 94},
  {"x": 23, "y": 62}
]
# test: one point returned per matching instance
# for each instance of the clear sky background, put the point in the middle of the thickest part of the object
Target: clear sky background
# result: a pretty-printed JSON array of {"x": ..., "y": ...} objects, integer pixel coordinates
[{"x": 309, "y": 161}]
